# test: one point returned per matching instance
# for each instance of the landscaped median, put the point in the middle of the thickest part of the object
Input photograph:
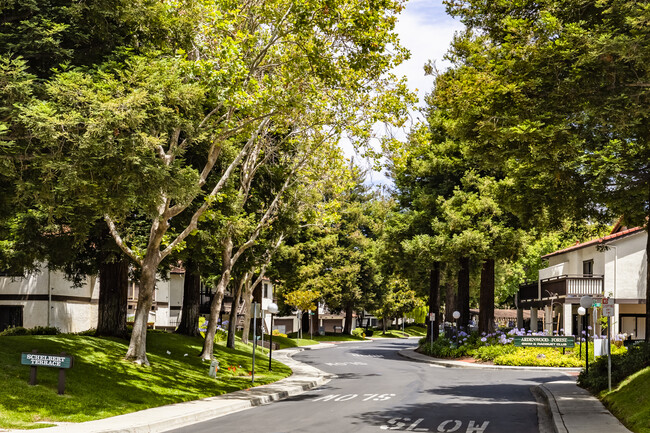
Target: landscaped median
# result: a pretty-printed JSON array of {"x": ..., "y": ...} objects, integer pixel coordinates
[
  {"x": 499, "y": 348},
  {"x": 101, "y": 384}
]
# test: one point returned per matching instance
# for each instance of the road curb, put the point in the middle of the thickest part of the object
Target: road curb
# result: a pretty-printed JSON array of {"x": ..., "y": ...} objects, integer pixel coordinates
[
  {"x": 166, "y": 418},
  {"x": 550, "y": 402}
]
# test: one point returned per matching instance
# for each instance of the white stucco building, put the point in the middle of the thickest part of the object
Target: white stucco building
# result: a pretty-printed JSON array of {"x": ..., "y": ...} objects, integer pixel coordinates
[
  {"x": 613, "y": 266},
  {"x": 47, "y": 298}
]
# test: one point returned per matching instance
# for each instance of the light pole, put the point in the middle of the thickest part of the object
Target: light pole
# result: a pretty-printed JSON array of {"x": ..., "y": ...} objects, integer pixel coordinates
[
  {"x": 272, "y": 308},
  {"x": 456, "y": 316},
  {"x": 581, "y": 312},
  {"x": 587, "y": 302}
]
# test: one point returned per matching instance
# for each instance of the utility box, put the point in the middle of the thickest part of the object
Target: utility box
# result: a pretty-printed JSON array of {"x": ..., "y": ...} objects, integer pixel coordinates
[{"x": 214, "y": 367}]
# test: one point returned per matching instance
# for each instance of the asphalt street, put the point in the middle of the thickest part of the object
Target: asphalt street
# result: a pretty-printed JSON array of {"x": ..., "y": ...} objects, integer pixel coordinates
[{"x": 375, "y": 390}]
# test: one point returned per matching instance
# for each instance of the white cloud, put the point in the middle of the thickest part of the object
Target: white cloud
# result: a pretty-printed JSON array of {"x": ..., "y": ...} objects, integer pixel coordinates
[{"x": 426, "y": 31}]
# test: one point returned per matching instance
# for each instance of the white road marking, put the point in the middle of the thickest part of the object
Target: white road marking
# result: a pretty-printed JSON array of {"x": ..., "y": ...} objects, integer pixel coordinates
[
  {"x": 443, "y": 426},
  {"x": 346, "y": 397}
]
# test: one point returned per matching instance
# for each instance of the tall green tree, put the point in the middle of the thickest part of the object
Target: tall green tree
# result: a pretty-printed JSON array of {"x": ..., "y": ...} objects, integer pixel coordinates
[{"x": 556, "y": 93}]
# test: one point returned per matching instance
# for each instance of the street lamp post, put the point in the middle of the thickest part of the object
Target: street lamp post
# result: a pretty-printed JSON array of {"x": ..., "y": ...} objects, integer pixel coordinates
[
  {"x": 586, "y": 302},
  {"x": 456, "y": 316},
  {"x": 272, "y": 308},
  {"x": 581, "y": 312}
]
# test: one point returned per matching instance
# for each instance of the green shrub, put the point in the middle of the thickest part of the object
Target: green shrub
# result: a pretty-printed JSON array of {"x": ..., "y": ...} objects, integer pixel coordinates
[
  {"x": 444, "y": 348},
  {"x": 538, "y": 357},
  {"x": 15, "y": 330},
  {"x": 358, "y": 332},
  {"x": 489, "y": 353},
  {"x": 38, "y": 330},
  {"x": 624, "y": 364}
]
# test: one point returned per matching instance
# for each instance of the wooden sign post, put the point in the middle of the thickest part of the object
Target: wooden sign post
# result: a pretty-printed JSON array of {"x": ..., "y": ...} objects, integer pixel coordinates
[{"x": 35, "y": 359}]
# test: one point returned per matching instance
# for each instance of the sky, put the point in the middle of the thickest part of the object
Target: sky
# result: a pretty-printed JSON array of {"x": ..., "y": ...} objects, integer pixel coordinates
[{"x": 426, "y": 31}]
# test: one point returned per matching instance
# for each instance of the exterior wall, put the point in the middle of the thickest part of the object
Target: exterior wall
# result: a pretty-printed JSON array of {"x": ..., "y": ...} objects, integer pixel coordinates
[
  {"x": 627, "y": 262},
  {"x": 160, "y": 315},
  {"x": 175, "y": 298},
  {"x": 554, "y": 270},
  {"x": 286, "y": 325},
  {"x": 72, "y": 309}
]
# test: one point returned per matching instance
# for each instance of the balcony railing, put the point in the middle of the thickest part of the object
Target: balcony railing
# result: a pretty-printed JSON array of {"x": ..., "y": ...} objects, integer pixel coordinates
[{"x": 567, "y": 286}]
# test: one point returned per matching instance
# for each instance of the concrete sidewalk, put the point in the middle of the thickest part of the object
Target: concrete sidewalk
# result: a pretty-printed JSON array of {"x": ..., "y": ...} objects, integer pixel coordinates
[
  {"x": 173, "y": 416},
  {"x": 572, "y": 409}
]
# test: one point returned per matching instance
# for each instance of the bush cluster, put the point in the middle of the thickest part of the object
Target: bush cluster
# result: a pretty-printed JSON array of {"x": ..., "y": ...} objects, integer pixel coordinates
[
  {"x": 624, "y": 364},
  {"x": 38, "y": 330}
]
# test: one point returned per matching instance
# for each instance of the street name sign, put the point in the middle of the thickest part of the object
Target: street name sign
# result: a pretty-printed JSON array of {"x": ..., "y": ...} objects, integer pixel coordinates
[
  {"x": 544, "y": 341},
  {"x": 35, "y": 359},
  {"x": 43, "y": 360}
]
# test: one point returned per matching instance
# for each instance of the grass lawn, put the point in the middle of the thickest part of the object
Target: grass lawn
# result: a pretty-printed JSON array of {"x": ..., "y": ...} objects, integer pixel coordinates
[
  {"x": 630, "y": 402},
  {"x": 285, "y": 342},
  {"x": 390, "y": 333},
  {"x": 337, "y": 337},
  {"x": 101, "y": 384}
]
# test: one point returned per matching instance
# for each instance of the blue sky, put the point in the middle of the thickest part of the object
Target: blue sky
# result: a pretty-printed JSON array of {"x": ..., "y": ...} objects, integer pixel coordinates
[{"x": 426, "y": 30}]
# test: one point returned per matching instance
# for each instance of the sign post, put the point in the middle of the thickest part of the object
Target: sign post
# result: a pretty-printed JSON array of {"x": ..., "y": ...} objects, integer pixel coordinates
[
  {"x": 608, "y": 311},
  {"x": 432, "y": 318},
  {"x": 35, "y": 359},
  {"x": 256, "y": 311}
]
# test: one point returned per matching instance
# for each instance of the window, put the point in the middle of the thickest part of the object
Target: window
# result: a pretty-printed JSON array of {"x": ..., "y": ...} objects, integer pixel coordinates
[
  {"x": 588, "y": 268},
  {"x": 10, "y": 316},
  {"x": 266, "y": 290},
  {"x": 633, "y": 325}
]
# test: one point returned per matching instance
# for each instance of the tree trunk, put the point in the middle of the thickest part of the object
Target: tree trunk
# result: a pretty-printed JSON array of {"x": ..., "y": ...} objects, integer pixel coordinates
[
  {"x": 450, "y": 301},
  {"x": 315, "y": 320},
  {"x": 191, "y": 302},
  {"x": 463, "y": 293},
  {"x": 348, "y": 320},
  {"x": 434, "y": 301},
  {"x": 213, "y": 321},
  {"x": 486, "y": 310},
  {"x": 304, "y": 322},
  {"x": 215, "y": 306},
  {"x": 248, "y": 297},
  {"x": 113, "y": 296},
  {"x": 137, "y": 351},
  {"x": 234, "y": 307}
]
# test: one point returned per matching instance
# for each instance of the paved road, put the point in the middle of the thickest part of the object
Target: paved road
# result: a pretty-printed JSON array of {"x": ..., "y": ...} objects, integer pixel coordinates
[{"x": 377, "y": 390}]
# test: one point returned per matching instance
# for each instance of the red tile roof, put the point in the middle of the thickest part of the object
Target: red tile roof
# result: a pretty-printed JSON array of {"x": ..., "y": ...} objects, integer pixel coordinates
[{"x": 602, "y": 240}]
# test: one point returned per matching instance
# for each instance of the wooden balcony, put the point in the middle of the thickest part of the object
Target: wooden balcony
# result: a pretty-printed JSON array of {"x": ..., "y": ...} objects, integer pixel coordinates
[{"x": 568, "y": 288}]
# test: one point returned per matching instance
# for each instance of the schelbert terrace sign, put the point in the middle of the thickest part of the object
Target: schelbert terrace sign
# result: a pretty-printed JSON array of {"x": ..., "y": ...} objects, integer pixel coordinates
[
  {"x": 544, "y": 341},
  {"x": 35, "y": 359},
  {"x": 42, "y": 360}
]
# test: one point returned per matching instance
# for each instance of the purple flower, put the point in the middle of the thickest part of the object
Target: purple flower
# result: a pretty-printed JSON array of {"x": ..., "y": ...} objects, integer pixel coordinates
[{"x": 483, "y": 339}]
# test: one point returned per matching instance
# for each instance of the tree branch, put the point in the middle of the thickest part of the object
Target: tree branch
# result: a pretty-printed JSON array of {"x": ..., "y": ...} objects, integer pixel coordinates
[{"x": 120, "y": 242}]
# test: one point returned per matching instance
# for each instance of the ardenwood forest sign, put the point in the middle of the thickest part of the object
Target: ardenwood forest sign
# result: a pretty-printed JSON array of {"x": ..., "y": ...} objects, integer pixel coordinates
[{"x": 544, "y": 341}]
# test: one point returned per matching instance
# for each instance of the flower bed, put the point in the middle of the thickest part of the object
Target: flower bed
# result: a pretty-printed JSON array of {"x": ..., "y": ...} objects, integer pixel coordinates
[{"x": 498, "y": 348}]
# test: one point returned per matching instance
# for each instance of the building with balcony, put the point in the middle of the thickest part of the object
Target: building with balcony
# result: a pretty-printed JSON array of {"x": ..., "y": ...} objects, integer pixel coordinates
[{"x": 613, "y": 266}]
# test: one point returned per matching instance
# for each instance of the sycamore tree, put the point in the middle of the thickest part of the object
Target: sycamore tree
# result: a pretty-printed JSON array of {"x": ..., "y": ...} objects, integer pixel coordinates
[{"x": 148, "y": 136}]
